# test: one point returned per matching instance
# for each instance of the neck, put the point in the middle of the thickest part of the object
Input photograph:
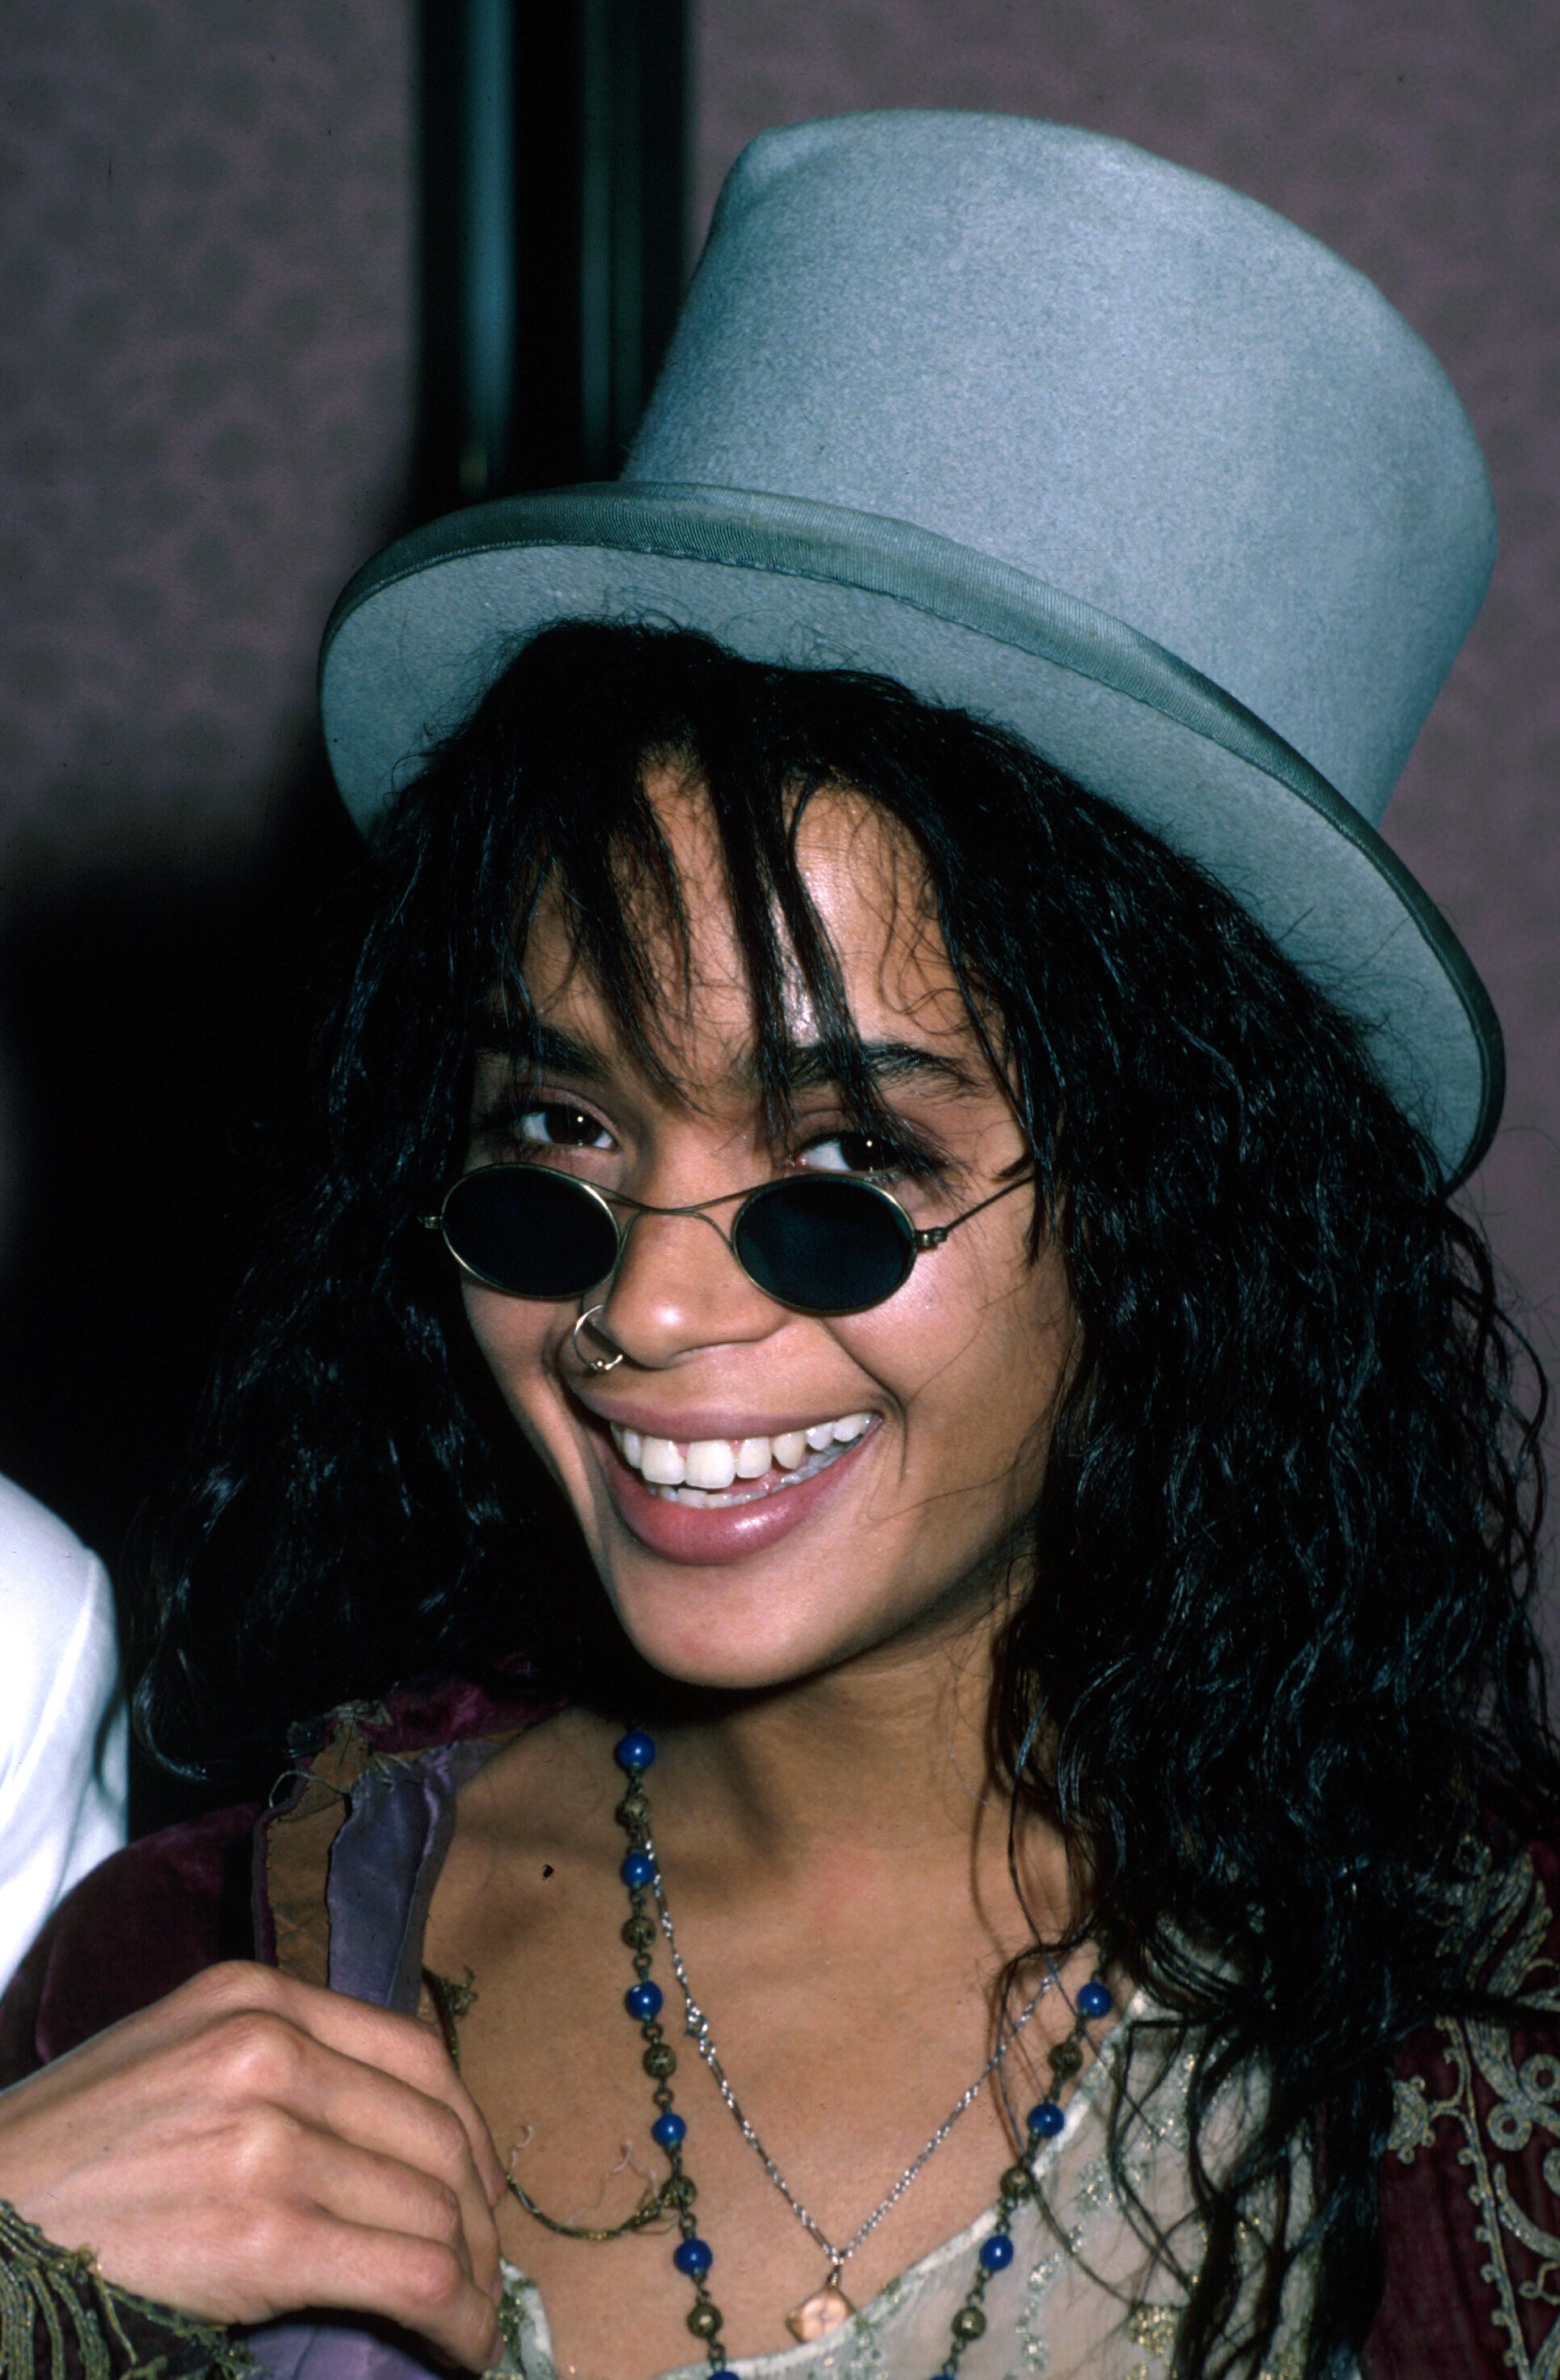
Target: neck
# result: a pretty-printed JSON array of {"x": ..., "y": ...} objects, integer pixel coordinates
[{"x": 884, "y": 1763}]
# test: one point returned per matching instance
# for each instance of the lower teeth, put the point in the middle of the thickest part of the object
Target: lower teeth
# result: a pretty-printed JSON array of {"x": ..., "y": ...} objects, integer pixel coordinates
[{"x": 716, "y": 1499}]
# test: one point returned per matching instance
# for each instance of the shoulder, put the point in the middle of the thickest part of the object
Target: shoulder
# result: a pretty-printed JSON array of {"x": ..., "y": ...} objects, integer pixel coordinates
[
  {"x": 1470, "y": 2190},
  {"x": 238, "y": 1883},
  {"x": 432, "y": 1713},
  {"x": 58, "y": 1607},
  {"x": 142, "y": 1923},
  {"x": 349, "y": 1858},
  {"x": 37, "y": 1550}
]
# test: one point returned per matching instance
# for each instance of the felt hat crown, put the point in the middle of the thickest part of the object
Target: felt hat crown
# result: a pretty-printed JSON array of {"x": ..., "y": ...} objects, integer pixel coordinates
[{"x": 1043, "y": 426}]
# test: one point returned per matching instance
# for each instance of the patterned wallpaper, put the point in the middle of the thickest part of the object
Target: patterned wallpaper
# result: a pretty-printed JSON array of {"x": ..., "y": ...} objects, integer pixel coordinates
[
  {"x": 204, "y": 401},
  {"x": 1419, "y": 138}
]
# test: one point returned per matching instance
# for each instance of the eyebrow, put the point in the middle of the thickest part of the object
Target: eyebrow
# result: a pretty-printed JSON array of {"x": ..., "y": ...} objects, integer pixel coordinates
[
  {"x": 810, "y": 1068},
  {"x": 808, "y": 1064},
  {"x": 541, "y": 1047}
]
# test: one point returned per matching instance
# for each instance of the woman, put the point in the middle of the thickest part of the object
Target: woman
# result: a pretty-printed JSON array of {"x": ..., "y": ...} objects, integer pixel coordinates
[{"x": 958, "y": 1380}]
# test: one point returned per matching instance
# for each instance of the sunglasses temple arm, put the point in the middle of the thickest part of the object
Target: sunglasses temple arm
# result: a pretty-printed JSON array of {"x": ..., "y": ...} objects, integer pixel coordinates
[{"x": 938, "y": 1233}]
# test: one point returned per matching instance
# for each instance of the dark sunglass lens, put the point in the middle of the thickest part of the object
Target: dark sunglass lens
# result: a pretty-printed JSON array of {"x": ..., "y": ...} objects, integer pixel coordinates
[
  {"x": 830, "y": 1247},
  {"x": 533, "y": 1233}
]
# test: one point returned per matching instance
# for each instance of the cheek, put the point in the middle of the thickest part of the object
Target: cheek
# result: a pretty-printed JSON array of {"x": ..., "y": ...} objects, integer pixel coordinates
[
  {"x": 516, "y": 1339},
  {"x": 973, "y": 1354}
]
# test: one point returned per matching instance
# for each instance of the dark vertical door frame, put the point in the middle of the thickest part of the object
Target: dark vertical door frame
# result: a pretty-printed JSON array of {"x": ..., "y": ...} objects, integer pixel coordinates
[{"x": 553, "y": 165}]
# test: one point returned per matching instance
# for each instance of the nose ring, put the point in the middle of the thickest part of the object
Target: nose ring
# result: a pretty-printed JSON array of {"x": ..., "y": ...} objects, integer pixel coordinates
[{"x": 593, "y": 1363}]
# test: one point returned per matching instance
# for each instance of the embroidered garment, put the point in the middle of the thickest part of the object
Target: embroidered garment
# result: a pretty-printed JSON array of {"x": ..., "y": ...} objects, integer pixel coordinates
[
  {"x": 60, "y": 2321},
  {"x": 336, "y": 1884},
  {"x": 1474, "y": 2161}
]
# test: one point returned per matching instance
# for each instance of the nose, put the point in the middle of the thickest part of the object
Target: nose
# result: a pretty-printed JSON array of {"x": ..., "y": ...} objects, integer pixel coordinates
[{"x": 677, "y": 1288}]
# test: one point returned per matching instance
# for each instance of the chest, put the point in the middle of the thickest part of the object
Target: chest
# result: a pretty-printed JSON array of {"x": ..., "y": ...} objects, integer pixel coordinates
[{"x": 846, "y": 2056}]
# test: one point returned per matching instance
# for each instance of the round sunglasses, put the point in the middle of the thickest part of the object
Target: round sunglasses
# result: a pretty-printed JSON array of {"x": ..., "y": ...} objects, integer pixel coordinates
[{"x": 822, "y": 1244}]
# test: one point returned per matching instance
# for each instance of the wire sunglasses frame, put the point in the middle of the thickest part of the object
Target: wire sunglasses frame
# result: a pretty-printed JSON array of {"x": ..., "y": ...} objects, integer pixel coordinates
[{"x": 914, "y": 1241}]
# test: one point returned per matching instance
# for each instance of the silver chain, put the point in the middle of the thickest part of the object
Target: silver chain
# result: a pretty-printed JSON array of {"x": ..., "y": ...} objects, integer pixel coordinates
[{"x": 697, "y": 2030}]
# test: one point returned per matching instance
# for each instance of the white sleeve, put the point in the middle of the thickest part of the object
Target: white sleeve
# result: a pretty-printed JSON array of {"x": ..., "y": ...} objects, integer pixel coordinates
[{"x": 63, "y": 1733}]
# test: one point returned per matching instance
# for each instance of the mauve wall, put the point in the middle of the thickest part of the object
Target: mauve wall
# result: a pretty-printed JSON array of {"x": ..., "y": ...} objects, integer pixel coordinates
[
  {"x": 206, "y": 312},
  {"x": 1419, "y": 138},
  {"x": 205, "y": 306}
]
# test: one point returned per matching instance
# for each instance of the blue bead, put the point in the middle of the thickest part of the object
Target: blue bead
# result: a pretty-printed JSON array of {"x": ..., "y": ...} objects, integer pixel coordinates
[
  {"x": 642, "y": 1999},
  {"x": 637, "y": 1869},
  {"x": 996, "y": 2253},
  {"x": 667, "y": 2131},
  {"x": 1094, "y": 1999},
  {"x": 693, "y": 2257},
  {"x": 1047, "y": 2119},
  {"x": 635, "y": 1750}
]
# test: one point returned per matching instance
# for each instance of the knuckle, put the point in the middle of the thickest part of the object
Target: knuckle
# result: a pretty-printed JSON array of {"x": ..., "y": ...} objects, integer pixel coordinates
[
  {"x": 443, "y": 2220},
  {"x": 257, "y": 2051},
  {"x": 426, "y": 2054},
  {"x": 434, "y": 2277},
  {"x": 216, "y": 1990},
  {"x": 449, "y": 2141},
  {"x": 231, "y": 1983},
  {"x": 265, "y": 2142}
]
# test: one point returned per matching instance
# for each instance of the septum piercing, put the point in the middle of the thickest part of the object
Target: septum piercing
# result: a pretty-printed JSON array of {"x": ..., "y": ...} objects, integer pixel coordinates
[{"x": 593, "y": 1363}]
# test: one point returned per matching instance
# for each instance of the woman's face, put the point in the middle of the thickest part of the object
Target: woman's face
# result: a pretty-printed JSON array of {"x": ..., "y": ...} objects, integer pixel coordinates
[{"x": 883, "y": 1460}]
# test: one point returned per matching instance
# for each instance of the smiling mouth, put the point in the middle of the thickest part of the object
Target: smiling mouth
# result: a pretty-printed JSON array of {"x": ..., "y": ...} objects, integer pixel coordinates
[{"x": 712, "y": 1473}]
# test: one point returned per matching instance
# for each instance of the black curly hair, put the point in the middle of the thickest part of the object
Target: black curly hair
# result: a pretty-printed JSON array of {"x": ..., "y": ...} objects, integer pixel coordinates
[{"x": 1279, "y": 1639}]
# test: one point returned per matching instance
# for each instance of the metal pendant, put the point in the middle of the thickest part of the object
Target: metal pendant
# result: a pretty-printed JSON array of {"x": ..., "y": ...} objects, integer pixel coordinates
[{"x": 823, "y": 2312}]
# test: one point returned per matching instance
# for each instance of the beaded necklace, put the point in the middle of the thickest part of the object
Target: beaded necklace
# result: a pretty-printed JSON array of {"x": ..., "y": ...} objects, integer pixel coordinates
[
  {"x": 827, "y": 2306},
  {"x": 693, "y": 2255}
]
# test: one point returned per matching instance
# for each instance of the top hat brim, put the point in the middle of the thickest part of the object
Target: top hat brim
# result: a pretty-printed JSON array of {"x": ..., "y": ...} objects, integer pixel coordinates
[{"x": 424, "y": 629}]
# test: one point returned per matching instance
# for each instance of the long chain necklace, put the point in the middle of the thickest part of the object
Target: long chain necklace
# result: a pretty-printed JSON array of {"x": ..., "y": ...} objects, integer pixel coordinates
[
  {"x": 828, "y": 2306},
  {"x": 693, "y": 2256}
]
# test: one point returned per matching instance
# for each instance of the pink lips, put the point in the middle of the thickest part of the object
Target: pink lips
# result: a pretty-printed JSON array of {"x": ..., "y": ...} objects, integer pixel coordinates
[{"x": 684, "y": 1533}]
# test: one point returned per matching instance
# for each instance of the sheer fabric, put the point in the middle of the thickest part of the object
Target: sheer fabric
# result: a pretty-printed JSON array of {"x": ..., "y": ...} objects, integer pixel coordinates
[{"x": 1079, "y": 2300}]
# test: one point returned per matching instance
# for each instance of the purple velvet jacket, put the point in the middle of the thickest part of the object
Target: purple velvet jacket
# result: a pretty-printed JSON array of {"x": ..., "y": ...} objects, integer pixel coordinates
[{"x": 334, "y": 1883}]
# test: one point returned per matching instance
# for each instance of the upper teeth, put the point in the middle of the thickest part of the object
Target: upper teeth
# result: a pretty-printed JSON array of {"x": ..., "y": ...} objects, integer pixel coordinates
[{"x": 715, "y": 1463}]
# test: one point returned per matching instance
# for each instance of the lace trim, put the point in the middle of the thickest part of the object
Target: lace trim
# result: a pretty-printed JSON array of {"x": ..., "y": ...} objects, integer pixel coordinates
[
  {"x": 1498, "y": 2105},
  {"x": 59, "y": 2320}
]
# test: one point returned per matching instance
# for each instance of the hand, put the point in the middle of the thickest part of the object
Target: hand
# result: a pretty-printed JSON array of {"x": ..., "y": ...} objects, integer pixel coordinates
[{"x": 250, "y": 2146}]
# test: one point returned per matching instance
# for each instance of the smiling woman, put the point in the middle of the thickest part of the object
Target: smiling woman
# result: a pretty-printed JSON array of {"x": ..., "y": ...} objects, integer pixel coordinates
[
  {"x": 907, "y": 1485},
  {"x": 803, "y": 1345}
]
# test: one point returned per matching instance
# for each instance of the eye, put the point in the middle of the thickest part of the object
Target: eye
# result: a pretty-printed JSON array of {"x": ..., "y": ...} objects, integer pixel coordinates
[
  {"x": 558, "y": 1125},
  {"x": 854, "y": 1152}
]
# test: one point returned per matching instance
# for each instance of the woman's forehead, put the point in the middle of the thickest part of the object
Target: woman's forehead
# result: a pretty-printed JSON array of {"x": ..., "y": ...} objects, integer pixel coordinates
[{"x": 869, "y": 887}]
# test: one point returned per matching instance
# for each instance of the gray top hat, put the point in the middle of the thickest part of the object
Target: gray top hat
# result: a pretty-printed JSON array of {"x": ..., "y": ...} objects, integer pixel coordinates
[{"x": 1043, "y": 426}]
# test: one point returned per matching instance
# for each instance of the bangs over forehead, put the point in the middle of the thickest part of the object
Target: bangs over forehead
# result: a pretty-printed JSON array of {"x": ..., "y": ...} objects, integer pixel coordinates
[{"x": 588, "y": 842}]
